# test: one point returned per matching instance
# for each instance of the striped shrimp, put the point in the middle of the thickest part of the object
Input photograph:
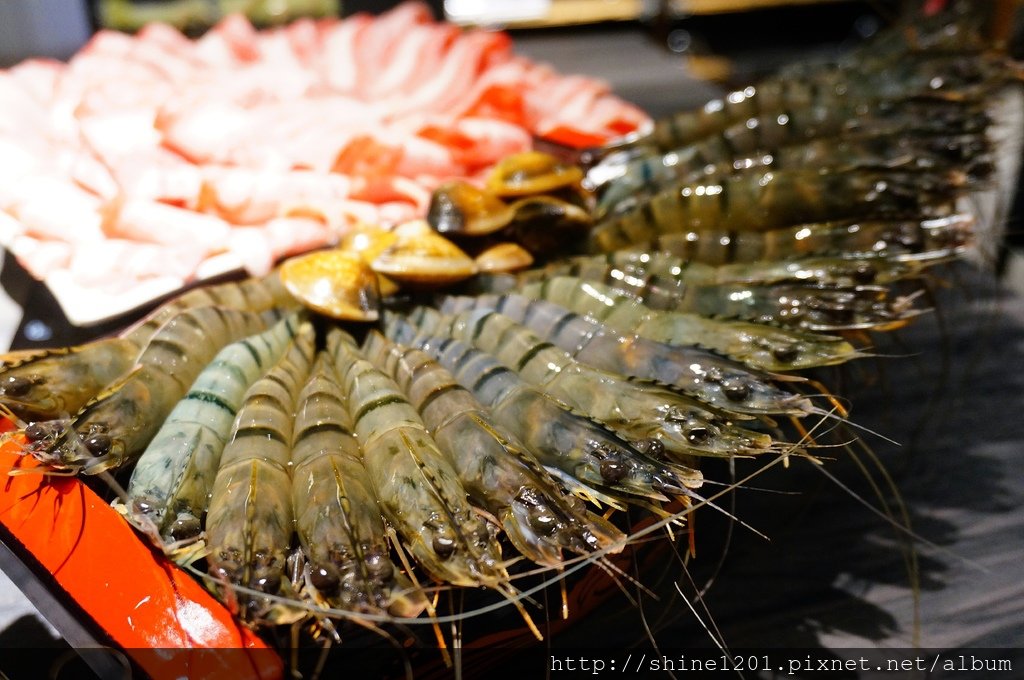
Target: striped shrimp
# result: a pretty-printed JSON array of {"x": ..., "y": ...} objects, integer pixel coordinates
[
  {"x": 935, "y": 76},
  {"x": 721, "y": 383},
  {"x": 901, "y": 240},
  {"x": 683, "y": 426},
  {"x": 756, "y": 345},
  {"x": 51, "y": 384},
  {"x": 170, "y": 486},
  {"x": 622, "y": 266},
  {"x": 760, "y": 201},
  {"x": 336, "y": 515},
  {"x": 249, "y": 526},
  {"x": 116, "y": 426},
  {"x": 591, "y": 461},
  {"x": 844, "y": 135},
  {"x": 498, "y": 473},
  {"x": 844, "y": 296},
  {"x": 417, "y": 489}
]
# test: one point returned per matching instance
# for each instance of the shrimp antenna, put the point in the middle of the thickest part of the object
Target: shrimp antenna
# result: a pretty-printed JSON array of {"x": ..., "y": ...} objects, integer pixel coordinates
[
  {"x": 515, "y": 598},
  {"x": 714, "y": 635},
  {"x": 849, "y": 423},
  {"x": 431, "y": 610},
  {"x": 899, "y": 527}
]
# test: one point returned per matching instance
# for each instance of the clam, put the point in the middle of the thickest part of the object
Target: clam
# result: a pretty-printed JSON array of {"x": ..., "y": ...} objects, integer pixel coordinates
[
  {"x": 503, "y": 257},
  {"x": 421, "y": 256},
  {"x": 463, "y": 209},
  {"x": 335, "y": 282},
  {"x": 545, "y": 224},
  {"x": 369, "y": 241},
  {"x": 532, "y": 172}
]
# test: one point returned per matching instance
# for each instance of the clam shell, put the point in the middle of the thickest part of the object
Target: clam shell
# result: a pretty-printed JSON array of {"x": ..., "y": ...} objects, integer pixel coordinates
[
  {"x": 544, "y": 224},
  {"x": 503, "y": 257},
  {"x": 461, "y": 208},
  {"x": 337, "y": 283},
  {"x": 422, "y": 256},
  {"x": 532, "y": 172}
]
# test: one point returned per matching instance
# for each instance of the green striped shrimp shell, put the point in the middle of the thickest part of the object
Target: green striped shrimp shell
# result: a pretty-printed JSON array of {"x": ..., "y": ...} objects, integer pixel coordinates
[
  {"x": 718, "y": 382},
  {"x": 756, "y": 345},
  {"x": 902, "y": 240},
  {"x": 250, "y": 524},
  {"x": 614, "y": 268},
  {"x": 683, "y": 426},
  {"x": 171, "y": 484},
  {"x": 869, "y": 75},
  {"x": 119, "y": 423},
  {"x": 336, "y": 516},
  {"x": 590, "y": 460},
  {"x": 760, "y": 201},
  {"x": 418, "y": 491},
  {"x": 498, "y": 473},
  {"x": 905, "y": 135},
  {"x": 782, "y": 294},
  {"x": 53, "y": 383}
]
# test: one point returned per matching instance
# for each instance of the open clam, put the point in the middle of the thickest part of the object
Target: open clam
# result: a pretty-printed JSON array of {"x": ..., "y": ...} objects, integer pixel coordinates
[
  {"x": 421, "y": 256},
  {"x": 463, "y": 209},
  {"x": 532, "y": 172},
  {"x": 545, "y": 224},
  {"x": 336, "y": 282},
  {"x": 503, "y": 257}
]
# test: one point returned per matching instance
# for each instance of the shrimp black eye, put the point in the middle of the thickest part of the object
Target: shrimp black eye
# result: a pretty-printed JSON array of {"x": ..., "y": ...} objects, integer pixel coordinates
[
  {"x": 16, "y": 386},
  {"x": 325, "y": 580},
  {"x": 443, "y": 546},
  {"x": 98, "y": 444},
  {"x": 736, "y": 391},
  {"x": 35, "y": 432},
  {"x": 185, "y": 526},
  {"x": 786, "y": 354},
  {"x": 698, "y": 435},
  {"x": 543, "y": 523},
  {"x": 613, "y": 470},
  {"x": 378, "y": 565},
  {"x": 268, "y": 584},
  {"x": 864, "y": 273},
  {"x": 652, "y": 447}
]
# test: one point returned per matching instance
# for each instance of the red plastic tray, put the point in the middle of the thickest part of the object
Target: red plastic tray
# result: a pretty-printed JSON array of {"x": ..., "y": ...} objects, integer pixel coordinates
[{"x": 153, "y": 610}]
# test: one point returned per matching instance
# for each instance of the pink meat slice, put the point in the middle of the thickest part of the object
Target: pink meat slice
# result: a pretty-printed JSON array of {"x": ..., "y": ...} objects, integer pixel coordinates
[{"x": 246, "y": 146}]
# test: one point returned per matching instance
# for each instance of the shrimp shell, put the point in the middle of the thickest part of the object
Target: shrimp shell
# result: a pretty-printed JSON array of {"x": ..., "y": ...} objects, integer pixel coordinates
[
  {"x": 497, "y": 472},
  {"x": 726, "y": 385},
  {"x": 250, "y": 524},
  {"x": 417, "y": 489},
  {"x": 171, "y": 484},
  {"x": 756, "y": 345},
  {"x": 590, "y": 460},
  {"x": 683, "y": 426},
  {"x": 761, "y": 201},
  {"x": 119, "y": 423},
  {"x": 336, "y": 515},
  {"x": 900, "y": 240},
  {"x": 55, "y": 383},
  {"x": 49, "y": 384}
]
